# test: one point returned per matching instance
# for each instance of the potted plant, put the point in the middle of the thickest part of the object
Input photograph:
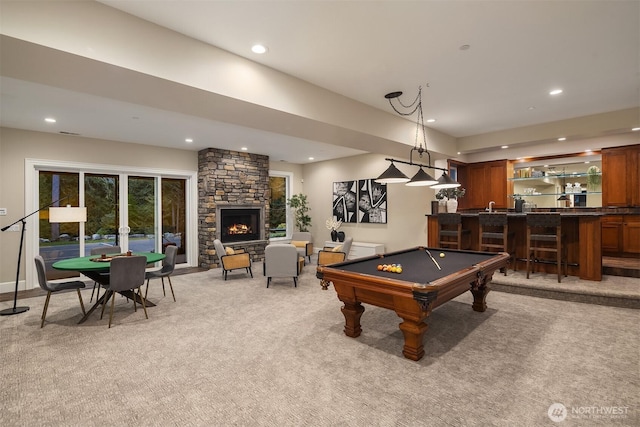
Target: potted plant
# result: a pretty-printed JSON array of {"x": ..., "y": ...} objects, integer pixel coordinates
[
  {"x": 450, "y": 197},
  {"x": 594, "y": 178},
  {"x": 298, "y": 203}
]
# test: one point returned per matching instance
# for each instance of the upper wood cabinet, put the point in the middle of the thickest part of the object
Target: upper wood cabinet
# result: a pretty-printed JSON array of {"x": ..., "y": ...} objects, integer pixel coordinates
[
  {"x": 621, "y": 176},
  {"x": 485, "y": 182}
]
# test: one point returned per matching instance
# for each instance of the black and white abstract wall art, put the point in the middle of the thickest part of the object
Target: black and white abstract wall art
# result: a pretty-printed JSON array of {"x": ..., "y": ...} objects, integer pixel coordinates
[
  {"x": 372, "y": 202},
  {"x": 345, "y": 198}
]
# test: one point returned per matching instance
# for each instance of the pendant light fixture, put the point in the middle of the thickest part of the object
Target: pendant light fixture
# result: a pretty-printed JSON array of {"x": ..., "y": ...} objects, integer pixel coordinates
[{"x": 421, "y": 178}]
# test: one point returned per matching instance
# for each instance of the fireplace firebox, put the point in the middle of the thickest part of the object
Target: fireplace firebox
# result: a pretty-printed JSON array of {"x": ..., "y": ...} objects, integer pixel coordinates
[{"x": 240, "y": 225}]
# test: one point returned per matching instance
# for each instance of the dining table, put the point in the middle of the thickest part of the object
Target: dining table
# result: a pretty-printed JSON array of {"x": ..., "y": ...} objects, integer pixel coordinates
[{"x": 96, "y": 267}]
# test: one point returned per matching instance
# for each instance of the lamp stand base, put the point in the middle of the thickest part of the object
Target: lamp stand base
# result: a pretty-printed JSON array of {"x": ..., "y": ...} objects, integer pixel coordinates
[{"x": 13, "y": 310}]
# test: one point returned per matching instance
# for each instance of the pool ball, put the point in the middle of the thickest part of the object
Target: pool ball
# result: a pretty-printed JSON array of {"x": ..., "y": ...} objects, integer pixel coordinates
[{"x": 441, "y": 254}]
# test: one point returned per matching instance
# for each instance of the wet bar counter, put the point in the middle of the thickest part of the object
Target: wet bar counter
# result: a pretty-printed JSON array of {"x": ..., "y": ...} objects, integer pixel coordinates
[{"x": 583, "y": 240}]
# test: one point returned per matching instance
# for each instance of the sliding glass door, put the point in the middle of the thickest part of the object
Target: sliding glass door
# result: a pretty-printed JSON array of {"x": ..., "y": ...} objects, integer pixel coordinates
[
  {"x": 122, "y": 210},
  {"x": 140, "y": 232}
]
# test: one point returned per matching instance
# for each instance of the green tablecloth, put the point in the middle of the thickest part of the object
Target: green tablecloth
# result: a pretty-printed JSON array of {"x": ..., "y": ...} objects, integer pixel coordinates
[{"x": 85, "y": 263}]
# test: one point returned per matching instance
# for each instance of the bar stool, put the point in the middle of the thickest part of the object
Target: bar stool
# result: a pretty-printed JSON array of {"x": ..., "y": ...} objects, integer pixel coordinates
[
  {"x": 450, "y": 225},
  {"x": 493, "y": 233},
  {"x": 542, "y": 230}
]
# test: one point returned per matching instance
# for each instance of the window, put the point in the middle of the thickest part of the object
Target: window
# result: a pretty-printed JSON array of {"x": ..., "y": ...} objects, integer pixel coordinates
[{"x": 280, "y": 225}]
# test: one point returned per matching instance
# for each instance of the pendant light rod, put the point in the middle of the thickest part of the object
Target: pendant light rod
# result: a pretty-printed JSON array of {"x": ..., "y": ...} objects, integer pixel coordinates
[{"x": 416, "y": 164}]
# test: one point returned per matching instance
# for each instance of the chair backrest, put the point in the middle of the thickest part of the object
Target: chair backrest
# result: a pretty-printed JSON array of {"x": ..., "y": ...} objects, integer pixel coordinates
[
  {"x": 449, "y": 218},
  {"x": 42, "y": 276},
  {"x": 219, "y": 248},
  {"x": 493, "y": 219},
  {"x": 543, "y": 220},
  {"x": 346, "y": 246},
  {"x": 105, "y": 250},
  {"x": 301, "y": 236},
  {"x": 127, "y": 272},
  {"x": 280, "y": 260},
  {"x": 169, "y": 262}
]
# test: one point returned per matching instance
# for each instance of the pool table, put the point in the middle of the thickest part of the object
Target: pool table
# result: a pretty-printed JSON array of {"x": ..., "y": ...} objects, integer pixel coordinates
[{"x": 416, "y": 291}]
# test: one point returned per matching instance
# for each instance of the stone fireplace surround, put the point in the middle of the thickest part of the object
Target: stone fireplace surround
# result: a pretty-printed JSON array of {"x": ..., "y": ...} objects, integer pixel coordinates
[{"x": 230, "y": 179}]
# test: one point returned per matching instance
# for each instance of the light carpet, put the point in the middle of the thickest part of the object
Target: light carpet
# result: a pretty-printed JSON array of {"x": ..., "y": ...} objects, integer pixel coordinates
[{"x": 234, "y": 353}]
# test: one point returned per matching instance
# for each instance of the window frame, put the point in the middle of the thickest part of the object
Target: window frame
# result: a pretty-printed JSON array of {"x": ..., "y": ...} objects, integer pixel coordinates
[{"x": 288, "y": 176}]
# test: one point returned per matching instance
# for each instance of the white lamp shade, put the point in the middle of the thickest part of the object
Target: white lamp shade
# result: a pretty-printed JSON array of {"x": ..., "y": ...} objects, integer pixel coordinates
[{"x": 68, "y": 214}]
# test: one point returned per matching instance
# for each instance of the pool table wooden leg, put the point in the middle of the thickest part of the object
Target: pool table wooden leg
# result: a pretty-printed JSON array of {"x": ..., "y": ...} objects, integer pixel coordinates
[
  {"x": 480, "y": 289},
  {"x": 413, "y": 334},
  {"x": 352, "y": 312}
]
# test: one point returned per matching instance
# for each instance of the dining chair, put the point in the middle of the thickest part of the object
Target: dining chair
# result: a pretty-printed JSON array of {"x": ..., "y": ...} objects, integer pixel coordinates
[
  {"x": 168, "y": 265},
  {"x": 127, "y": 274},
  {"x": 55, "y": 287},
  {"x": 99, "y": 251}
]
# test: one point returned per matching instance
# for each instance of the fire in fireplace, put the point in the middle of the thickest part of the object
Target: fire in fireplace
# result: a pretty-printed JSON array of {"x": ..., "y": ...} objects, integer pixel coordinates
[{"x": 238, "y": 225}]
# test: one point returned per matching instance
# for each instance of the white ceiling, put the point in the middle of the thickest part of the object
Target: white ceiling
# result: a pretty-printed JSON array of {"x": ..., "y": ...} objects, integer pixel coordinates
[{"x": 518, "y": 51}]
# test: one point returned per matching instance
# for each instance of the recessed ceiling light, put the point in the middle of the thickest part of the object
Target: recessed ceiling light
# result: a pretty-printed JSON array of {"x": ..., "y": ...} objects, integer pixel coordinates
[
  {"x": 504, "y": 146},
  {"x": 635, "y": 129},
  {"x": 562, "y": 139},
  {"x": 588, "y": 150},
  {"x": 259, "y": 49},
  {"x": 555, "y": 92},
  {"x": 465, "y": 47},
  {"x": 50, "y": 120},
  {"x": 189, "y": 140},
  {"x": 431, "y": 120},
  {"x": 311, "y": 158},
  {"x": 244, "y": 148},
  {"x": 531, "y": 108}
]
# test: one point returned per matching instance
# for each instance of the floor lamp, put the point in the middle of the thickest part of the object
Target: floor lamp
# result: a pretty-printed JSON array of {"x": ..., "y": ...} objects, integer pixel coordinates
[{"x": 67, "y": 214}]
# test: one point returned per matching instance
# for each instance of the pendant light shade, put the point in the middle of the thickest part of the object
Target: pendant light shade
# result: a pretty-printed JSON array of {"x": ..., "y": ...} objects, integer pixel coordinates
[
  {"x": 421, "y": 178},
  {"x": 445, "y": 181},
  {"x": 392, "y": 175}
]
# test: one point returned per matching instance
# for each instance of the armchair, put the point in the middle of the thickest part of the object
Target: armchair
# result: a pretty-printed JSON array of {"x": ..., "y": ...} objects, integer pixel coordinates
[
  {"x": 302, "y": 241},
  {"x": 232, "y": 259},
  {"x": 281, "y": 260},
  {"x": 332, "y": 256}
]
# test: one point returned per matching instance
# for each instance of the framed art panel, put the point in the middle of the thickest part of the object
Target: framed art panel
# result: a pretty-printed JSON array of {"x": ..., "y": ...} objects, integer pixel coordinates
[
  {"x": 372, "y": 202},
  {"x": 344, "y": 201}
]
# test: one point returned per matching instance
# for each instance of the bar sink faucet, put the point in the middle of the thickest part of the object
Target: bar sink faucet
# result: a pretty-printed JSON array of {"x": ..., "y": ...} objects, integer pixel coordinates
[{"x": 491, "y": 203}]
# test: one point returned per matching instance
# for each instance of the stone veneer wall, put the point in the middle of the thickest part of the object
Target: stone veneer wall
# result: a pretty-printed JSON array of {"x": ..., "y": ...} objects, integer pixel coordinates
[{"x": 230, "y": 178}]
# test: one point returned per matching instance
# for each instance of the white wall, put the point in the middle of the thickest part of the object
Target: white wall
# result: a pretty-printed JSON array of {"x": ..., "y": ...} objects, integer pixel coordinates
[{"x": 407, "y": 206}]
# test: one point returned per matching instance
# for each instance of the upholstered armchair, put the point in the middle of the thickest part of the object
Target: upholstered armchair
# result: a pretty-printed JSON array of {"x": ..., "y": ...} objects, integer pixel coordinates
[
  {"x": 281, "y": 260},
  {"x": 302, "y": 241},
  {"x": 232, "y": 259},
  {"x": 334, "y": 255},
  {"x": 327, "y": 254}
]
